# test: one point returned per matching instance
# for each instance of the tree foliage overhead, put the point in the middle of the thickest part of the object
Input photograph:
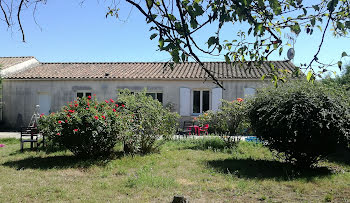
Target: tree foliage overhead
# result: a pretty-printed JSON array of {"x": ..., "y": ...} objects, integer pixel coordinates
[{"x": 176, "y": 24}]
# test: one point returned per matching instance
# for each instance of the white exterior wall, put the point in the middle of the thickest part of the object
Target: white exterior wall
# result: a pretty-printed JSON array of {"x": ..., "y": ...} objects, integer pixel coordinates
[
  {"x": 235, "y": 88},
  {"x": 21, "y": 96}
]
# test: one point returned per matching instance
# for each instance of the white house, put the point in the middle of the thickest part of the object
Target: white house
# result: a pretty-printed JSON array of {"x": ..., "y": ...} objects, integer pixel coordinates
[{"x": 187, "y": 88}]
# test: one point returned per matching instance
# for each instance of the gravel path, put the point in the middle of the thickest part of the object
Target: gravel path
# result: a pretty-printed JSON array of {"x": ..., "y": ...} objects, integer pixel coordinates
[{"x": 10, "y": 135}]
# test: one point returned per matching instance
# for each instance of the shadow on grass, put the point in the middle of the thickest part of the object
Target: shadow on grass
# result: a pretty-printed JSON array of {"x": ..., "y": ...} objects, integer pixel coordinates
[
  {"x": 264, "y": 169},
  {"x": 341, "y": 157},
  {"x": 58, "y": 162},
  {"x": 39, "y": 149}
]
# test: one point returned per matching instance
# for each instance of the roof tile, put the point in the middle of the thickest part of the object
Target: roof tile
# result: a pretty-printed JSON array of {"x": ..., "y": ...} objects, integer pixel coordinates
[{"x": 141, "y": 70}]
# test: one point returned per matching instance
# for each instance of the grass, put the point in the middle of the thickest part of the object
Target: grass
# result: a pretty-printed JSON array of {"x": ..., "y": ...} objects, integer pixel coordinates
[{"x": 247, "y": 173}]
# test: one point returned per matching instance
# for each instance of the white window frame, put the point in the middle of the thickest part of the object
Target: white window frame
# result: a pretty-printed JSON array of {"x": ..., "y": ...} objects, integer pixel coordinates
[
  {"x": 156, "y": 92},
  {"x": 247, "y": 90},
  {"x": 82, "y": 91},
  {"x": 200, "y": 100},
  {"x": 149, "y": 92}
]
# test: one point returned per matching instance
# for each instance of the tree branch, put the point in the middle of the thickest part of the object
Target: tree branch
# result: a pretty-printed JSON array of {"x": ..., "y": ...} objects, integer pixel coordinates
[
  {"x": 3, "y": 11},
  {"x": 190, "y": 48},
  {"x": 319, "y": 47},
  {"x": 19, "y": 19},
  {"x": 148, "y": 16}
]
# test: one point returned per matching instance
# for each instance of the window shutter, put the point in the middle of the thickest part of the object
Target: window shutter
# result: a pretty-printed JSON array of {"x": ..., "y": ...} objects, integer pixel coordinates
[
  {"x": 216, "y": 98},
  {"x": 185, "y": 101}
]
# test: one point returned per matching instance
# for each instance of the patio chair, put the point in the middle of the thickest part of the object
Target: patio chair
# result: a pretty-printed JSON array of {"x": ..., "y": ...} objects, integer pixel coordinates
[
  {"x": 29, "y": 134},
  {"x": 204, "y": 129},
  {"x": 188, "y": 128}
]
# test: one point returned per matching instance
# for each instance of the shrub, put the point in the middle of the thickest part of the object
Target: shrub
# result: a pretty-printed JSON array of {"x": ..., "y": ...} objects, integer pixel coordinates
[
  {"x": 91, "y": 128},
  {"x": 150, "y": 121},
  {"x": 230, "y": 119},
  {"x": 302, "y": 122},
  {"x": 86, "y": 127}
]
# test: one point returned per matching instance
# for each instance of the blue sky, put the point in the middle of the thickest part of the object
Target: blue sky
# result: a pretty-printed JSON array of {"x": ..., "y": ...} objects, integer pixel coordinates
[{"x": 70, "y": 32}]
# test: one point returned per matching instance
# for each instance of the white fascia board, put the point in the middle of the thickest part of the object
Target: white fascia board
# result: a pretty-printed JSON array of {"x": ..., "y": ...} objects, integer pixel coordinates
[{"x": 20, "y": 67}]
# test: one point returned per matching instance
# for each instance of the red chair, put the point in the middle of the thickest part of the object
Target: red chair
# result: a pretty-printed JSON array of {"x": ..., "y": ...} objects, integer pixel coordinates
[{"x": 204, "y": 129}]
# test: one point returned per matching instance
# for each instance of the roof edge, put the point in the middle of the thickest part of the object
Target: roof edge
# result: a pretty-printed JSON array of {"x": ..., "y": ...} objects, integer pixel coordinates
[
  {"x": 125, "y": 62},
  {"x": 17, "y": 57}
]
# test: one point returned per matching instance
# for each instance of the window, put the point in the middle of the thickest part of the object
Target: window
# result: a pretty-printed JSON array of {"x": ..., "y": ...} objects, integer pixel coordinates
[
  {"x": 158, "y": 96},
  {"x": 200, "y": 101},
  {"x": 82, "y": 94},
  {"x": 249, "y": 91}
]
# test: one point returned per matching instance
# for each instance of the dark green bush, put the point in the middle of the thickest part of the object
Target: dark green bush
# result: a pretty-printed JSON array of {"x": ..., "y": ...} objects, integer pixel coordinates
[{"x": 301, "y": 121}]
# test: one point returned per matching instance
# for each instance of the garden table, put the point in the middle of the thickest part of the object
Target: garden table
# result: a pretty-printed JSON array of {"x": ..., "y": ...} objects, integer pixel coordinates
[{"x": 196, "y": 129}]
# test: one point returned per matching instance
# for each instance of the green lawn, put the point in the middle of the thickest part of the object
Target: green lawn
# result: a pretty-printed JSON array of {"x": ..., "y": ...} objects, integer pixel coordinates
[{"x": 247, "y": 173}]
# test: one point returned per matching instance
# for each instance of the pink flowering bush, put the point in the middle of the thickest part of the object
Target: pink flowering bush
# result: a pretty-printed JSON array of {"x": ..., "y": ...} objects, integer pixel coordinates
[
  {"x": 85, "y": 126},
  {"x": 90, "y": 128}
]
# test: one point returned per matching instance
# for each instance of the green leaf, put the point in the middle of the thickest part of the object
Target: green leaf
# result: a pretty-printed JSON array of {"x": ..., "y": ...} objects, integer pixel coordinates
[
  {"x": 319, "y": 27},
  {"x": 185, "y": 2},
  {"x": 149, "y": 3},
  {"x": 332, "y": 4},
  {"x": 263, "y": 77},
  {"x": 278, "y": 30},
  {"x": 153, "y": 16},
  {"x": 305, "y": 11},
  {"x": 198, "y": 9},
  {"x": 212, "y": 40},
  {"x": 175, "y": 55},
  {"x": 295, "y": 28},
  {"x": 275, "y": 79},
  {"x": 153, "y": 36},
  {"x": 171, "y": 17},
  {"x": 250, "y": 30},
  {"x": 171, "y": 65},
  {"x": 161, "y": 42},
  {"x": 276, "y": 6},
  {"x": 227, "y": 59},
  {"x": 344, "y": 54},
  {"x": 340, "y": 63},
  {"x": 275, "y": 46},
  {"x": 309, "y": 75},
  {"x": 219, "y": 48},
  {"x": 340, "y": 25},
  {"x": 347, "y": 24},
  {"x": 194, "y": 23},
  {"x": 259, "y": 27},
  {"x": 313, "y": 21}
]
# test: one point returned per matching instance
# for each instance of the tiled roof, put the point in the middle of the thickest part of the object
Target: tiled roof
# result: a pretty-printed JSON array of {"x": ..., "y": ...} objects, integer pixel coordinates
[
  {"x": 147, "y": 70},
  {"x": 6, "y": 62}
]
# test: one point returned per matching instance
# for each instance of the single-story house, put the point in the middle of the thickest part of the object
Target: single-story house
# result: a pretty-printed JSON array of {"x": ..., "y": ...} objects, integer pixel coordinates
[{"x": 187, "y": 88}]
